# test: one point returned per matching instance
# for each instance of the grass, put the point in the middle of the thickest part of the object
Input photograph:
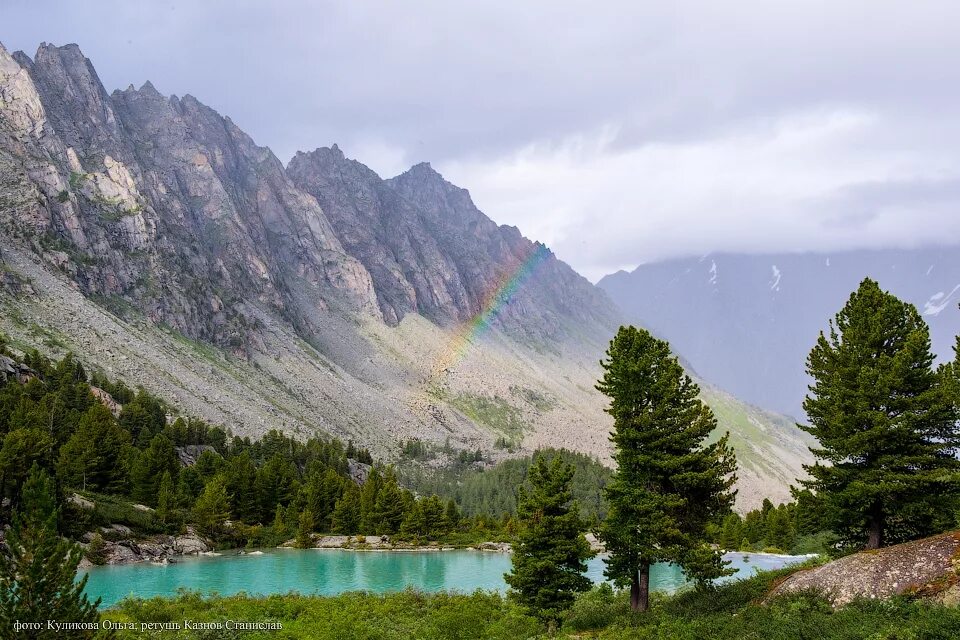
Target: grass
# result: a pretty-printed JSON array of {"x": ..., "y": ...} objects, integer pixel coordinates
[
  {"x": 492, "y": 412},
  {"x": 356, "y": 616},
  {"x": 731, "y": 612}
]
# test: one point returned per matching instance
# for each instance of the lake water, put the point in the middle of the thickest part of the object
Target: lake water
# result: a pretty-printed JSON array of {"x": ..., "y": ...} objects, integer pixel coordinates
[{"x": 331, "y": 571}]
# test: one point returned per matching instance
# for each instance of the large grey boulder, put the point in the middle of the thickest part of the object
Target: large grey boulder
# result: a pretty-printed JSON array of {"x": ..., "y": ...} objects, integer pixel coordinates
[{"x": 925, "y": 567}]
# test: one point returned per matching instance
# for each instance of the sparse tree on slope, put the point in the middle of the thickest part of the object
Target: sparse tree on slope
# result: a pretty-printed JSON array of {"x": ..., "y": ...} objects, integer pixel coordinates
[
  {"x": 886, "y": 423},
  {"x": 669, "y": 484},
  {"x": 550, "y": 554}
]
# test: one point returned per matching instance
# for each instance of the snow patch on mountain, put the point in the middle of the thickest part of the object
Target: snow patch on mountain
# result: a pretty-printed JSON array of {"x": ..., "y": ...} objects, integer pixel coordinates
[
  {"x": 713, "y": 272},
  {"x": 775, "y": 282},
  {"x": 938, "y": 302}
]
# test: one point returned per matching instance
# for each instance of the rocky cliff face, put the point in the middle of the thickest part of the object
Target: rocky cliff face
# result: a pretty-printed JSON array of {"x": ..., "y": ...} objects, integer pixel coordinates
[
  {"x": 431, "y": 251},
  {"x": 163, "y": 204}
]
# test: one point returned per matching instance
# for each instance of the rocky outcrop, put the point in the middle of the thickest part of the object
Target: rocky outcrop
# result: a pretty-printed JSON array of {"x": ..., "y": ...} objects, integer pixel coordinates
[
  {"x": 189, "y": 454},
  {"x": 119, "y": 548},
  {"x": 107, "y": 400},
  {"x": 927, "y": 568},
  {"x": 11, "y": 369}
]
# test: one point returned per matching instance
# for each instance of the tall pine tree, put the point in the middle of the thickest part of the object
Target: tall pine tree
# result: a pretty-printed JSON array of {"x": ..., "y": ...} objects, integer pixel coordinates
[
  {"x": 37, "y": 574},
  {"x": 550, "y": 553},
  {"x": 669, "y": 484},
  {"x": 886, "y": 423}
]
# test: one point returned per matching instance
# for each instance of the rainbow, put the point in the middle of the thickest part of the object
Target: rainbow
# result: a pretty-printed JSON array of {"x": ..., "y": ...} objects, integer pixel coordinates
[{"x": 493, "y": 302}]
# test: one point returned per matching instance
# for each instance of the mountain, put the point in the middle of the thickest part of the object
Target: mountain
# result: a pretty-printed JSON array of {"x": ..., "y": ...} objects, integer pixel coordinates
[
  {"x": 431, "y": 251},
  {"x": 747, "y": 322},
  {"x": 157, "y": 241}
]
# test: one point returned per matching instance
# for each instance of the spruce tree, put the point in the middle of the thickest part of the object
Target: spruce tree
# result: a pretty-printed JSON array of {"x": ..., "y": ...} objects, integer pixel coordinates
[
  {"x": 669, "y": 484},
  {"x": 550, "y": 553},
  {"x": 38, "y": 571},
  {"x": 885, "y": 422}
]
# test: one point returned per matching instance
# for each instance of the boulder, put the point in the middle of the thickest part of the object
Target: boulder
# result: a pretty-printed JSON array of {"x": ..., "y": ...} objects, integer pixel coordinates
[
  {"x": 926, "y": 568},
  {"x": 80, "y": 501},
  {"x": 107, "y": 400},
  {"x": 190, "y": 544},
  {"x": 190, "y": 453}
]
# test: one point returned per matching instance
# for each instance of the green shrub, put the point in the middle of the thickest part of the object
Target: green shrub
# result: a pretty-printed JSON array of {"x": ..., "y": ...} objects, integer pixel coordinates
[{"x": 596, "y": 608}]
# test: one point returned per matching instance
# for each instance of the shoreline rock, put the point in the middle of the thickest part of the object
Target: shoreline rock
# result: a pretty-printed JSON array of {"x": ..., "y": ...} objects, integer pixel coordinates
[
  {"x": 928, "y": 568},
  {"x": 160, "y": 548}
]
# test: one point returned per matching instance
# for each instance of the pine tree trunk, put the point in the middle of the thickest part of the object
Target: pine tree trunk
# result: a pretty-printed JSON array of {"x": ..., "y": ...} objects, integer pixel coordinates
[
  {"x": 640, "y": 588},
  {"x": 875, "y": 537}
]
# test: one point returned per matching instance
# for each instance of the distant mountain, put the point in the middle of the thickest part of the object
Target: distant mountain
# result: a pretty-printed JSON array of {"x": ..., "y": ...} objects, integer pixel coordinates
[
  {"x": 747, "y": 322},
  {"x": 157, "y": 241}
]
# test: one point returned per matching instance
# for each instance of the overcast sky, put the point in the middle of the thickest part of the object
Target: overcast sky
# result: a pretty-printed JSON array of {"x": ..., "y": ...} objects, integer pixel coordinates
[{"x": 617, "y": 132}]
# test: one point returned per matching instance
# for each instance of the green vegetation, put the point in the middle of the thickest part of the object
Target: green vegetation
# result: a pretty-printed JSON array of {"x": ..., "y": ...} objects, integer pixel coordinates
[
  {"x": 550, "y": 552},
  {"x": 354, "y": 616},
  {"x": 730, "y": 612},
  {"x": 494, "y": 413},
  {"x": 237, "y": 492},
  {"x": 793, "y": 528},
  {"x": 38, "y": 571},
  {"x": 669, "y": 485},
  {"x": 493, "y": 491},
  {"x": 886, "y": 423}
]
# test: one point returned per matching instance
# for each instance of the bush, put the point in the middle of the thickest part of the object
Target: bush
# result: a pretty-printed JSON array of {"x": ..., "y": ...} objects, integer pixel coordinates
[
  {"x": 96, "y": 550},
  {"x": 596, "y": 608}
]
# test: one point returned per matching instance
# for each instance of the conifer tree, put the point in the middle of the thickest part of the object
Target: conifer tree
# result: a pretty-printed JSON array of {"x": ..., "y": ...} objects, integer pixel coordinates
[
  {"x": 279, "y": 522},
  {"x": 368, "y": 501},
  {"x": 389, "y": 509},
  {"x": 731, "y": 533},
  {"x": 212, "y": 508},
  {"x": 345, "y": 519},
  {"x": 453, "y": 514},
  {"x": 148, "y": 469},
  {"x": 780, "y": 531},
  {"x": 885, "y": 421},
  {"x": 165, "y": 497},
  {"x": 305, "y": 530},
  {"x": 550, "y": 553},
  {"x": 93, "y": 457},
  {"x": 669, "y": 484},
  {"x": 37, "y": 574}
]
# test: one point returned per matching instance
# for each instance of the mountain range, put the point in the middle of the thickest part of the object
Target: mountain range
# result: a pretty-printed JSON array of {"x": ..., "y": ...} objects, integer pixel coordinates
[
  {"x": 157, "y": 241},
  {"x": 747, "y": 322}
]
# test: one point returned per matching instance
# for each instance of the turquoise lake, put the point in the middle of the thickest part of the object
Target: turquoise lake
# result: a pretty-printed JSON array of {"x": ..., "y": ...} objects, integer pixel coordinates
[{"x": 329, "y": 572}]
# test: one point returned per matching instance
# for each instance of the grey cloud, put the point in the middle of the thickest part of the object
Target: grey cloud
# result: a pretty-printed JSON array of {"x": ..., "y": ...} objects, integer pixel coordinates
[{"x": 499, "y": 94}]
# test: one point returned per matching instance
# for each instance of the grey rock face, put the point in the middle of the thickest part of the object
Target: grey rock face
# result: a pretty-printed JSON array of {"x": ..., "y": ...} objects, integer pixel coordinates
[
  {"x": 431, "y": 251},
  {"x": 163, "y": 204}
]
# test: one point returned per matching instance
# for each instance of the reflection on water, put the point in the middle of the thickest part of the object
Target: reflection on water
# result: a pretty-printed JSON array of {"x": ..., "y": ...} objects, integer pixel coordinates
[{"x": 329, "y": 572}]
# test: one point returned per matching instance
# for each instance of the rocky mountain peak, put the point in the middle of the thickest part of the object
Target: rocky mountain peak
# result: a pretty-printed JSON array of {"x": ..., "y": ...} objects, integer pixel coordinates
[{"x": 431, "y": 251}]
